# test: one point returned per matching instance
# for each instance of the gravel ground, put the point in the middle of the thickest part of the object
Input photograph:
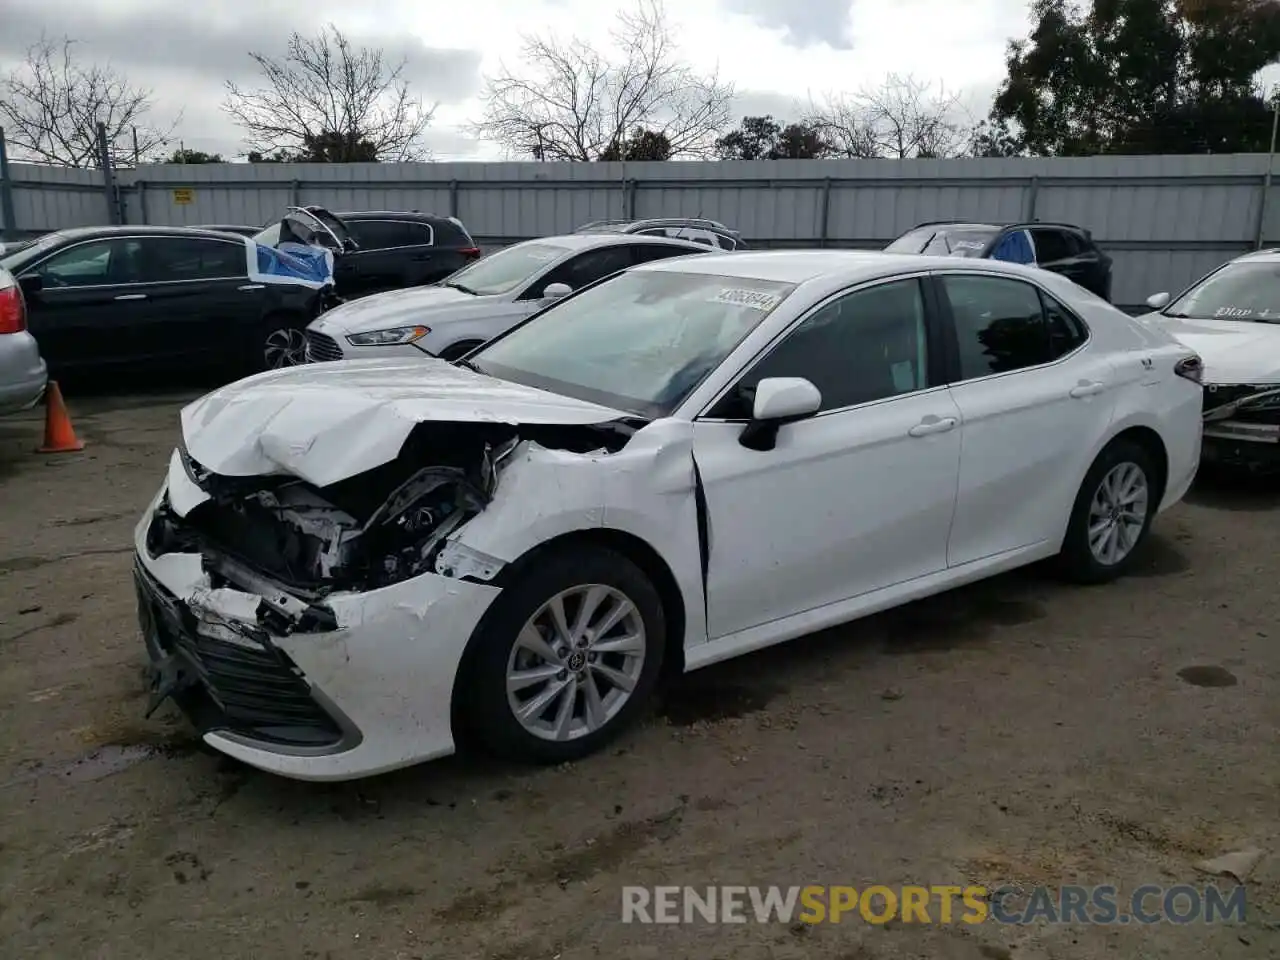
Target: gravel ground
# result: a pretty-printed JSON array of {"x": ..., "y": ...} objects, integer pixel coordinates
[{"x": 1018, "y": 731}]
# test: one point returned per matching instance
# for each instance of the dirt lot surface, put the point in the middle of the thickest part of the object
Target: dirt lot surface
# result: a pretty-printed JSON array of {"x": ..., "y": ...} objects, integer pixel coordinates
[{"x": 1016, "y": 732}]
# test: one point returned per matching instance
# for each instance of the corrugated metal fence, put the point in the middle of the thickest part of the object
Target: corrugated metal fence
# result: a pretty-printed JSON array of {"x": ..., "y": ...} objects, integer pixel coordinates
[{"x": 1165, "y": 220}]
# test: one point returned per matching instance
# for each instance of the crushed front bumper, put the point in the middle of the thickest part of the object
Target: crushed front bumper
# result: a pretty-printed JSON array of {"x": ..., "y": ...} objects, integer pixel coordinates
[
  {"x": 370, "y": 692},
  {"x": 1245, "y": 446}
]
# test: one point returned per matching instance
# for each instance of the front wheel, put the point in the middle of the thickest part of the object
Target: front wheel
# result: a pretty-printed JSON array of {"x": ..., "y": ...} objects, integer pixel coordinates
[
  {"x": 458, "y": 350},
  {"x": 1112, "y": 514},
  {"x": 567, "y": 658},
  {"x": 282, "y": 344}
]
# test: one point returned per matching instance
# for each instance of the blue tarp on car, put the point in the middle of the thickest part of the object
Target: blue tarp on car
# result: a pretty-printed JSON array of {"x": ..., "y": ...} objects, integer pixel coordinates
[
  {"x": 294, "y": 263},
  {"x": 1014, "y": 247}
]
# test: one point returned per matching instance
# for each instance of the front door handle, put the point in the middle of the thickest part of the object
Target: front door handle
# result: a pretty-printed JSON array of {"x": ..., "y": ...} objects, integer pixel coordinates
[
  {"x": 252, "y": 286},
  {"x": 1087, "y": 389},
  {"x": 932, "y": 425},
  {"x": 132, "y": 296}
]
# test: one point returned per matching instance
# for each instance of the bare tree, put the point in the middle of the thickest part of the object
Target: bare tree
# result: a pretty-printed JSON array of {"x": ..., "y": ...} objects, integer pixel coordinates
[
  {"x": 569, "y": 101},
  {"x": 900, "y": 118},
  {"x": 326, "y": 100},
  {"x": 51, "y": 105}
]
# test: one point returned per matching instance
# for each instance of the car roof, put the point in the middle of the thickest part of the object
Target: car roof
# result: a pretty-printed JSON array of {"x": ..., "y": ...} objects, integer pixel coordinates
[
  {"x": 408, "y": 215},
  {"x": 985, "y": 225},
  {"x": 1254, "y": 256},
  {"x": 844, "y": 266},
  {"x": 584, "y": 241},
  {"x": 87, "y": 233}
]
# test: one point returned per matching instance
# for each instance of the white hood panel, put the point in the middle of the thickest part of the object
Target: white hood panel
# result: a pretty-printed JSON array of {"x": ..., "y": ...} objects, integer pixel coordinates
[
  {"x": 399, "y": 308},
  {"x": 329, "y": 421},
  {"x": 1233, "y": 351}
]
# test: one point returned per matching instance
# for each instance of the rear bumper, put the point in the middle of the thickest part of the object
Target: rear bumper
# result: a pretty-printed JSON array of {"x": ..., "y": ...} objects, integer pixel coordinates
[{"x": 23, "y": 374}]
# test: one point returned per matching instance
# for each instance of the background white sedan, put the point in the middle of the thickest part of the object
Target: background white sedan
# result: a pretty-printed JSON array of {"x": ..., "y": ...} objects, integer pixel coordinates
[
  {"x": 482, "y": 300},
  {"x": 351, "y": 563}
]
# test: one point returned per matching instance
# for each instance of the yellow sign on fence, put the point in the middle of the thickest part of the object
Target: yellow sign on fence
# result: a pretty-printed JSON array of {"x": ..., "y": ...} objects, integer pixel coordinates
[{"x": 183, "y": 195}]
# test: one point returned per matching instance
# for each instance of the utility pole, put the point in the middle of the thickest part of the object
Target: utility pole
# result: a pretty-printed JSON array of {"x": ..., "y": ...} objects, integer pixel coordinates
[{"x": 1271, "y": 156}]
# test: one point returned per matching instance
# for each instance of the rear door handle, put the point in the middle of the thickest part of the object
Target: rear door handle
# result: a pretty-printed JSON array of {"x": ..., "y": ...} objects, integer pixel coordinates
[
  {"x": 252, "y": 286},
  {"x": 1087, "y": 389},
  {"x": 132, "y": 296},
  {"x": 932, "y": 425}
]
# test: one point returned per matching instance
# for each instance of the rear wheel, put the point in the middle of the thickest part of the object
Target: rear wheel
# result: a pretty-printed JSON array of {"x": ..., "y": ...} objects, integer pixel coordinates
[
  {"x": 282, "y": 343},
  {"x": 1112, "y": 514},
  {"x": 566, "y": 659}
]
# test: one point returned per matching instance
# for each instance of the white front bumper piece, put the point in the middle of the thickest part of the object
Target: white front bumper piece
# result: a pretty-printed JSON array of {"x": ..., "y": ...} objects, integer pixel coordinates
[{"x": 363, "y": 686}]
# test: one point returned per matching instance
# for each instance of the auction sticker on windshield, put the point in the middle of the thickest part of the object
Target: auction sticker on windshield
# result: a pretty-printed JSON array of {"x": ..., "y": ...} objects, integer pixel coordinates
[{"x": 755, "y": 299}]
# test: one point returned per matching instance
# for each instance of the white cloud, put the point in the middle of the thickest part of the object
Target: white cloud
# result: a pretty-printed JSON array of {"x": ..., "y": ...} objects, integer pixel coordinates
[{"x": 777, "y": 52}]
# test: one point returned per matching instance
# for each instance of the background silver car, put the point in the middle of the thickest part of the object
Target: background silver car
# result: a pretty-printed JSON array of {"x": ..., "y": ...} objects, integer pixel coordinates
[
  {"x": 482, "y": 300},
  {"x": 22, "y": 371}
]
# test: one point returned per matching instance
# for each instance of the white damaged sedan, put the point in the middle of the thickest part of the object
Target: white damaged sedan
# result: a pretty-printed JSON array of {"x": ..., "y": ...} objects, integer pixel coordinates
[{"x": 352, "y": 564}]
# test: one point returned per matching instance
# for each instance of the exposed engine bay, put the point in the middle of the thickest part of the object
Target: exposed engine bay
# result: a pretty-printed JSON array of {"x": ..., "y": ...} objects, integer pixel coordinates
[{"x": 369, "y": 531}]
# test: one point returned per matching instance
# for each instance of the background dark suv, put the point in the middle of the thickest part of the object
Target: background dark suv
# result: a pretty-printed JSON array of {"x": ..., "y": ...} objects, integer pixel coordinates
[
  {"x": 397, "y": 249},
  {"x": 1061, "y": 247}
]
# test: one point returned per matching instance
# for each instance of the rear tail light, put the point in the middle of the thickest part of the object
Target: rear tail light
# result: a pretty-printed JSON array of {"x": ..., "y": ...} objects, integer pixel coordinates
[
  {"x": 1192, "y": 368},
  {"x": 13, "y": 312},
  {"x": 470, "y": 251}
]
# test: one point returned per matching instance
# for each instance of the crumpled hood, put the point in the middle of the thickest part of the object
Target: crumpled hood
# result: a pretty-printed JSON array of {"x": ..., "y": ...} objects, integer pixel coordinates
[
  {"x": 325, "y": 422},
  {"x": 431, "y": 306},
  {"x": 1233, "y": 351}
]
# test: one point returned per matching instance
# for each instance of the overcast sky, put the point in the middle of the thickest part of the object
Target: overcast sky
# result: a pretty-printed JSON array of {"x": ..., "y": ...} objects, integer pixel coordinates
[{"x": 776, "y": 52}]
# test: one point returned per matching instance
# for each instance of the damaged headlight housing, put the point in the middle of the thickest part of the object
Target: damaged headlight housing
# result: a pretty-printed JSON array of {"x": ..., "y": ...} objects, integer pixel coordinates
[{"x": 389, "y": 337}]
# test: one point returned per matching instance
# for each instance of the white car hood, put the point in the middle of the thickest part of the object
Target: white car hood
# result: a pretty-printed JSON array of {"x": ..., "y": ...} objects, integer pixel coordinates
[
  {"x": 1233, "y": 351},
  {"x": 326, "y": 422},
  {"x": 398, "y": 308}
]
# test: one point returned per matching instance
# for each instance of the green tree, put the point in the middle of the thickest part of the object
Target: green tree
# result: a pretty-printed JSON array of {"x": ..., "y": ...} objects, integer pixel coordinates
[
  {"x": 763, "y": 138},
  {"x": 185, "y": 155},
  {"x": 1136, "y": 76},
  {"x": 641, "y": 145}
]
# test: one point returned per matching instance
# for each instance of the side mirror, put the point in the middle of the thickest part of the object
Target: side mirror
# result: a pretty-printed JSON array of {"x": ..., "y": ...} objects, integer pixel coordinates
[
  {"x": 556, "y": 291},
  {"x": 31, "y": 285},
  {"x": 1158, "y": 301},
  {"x": 778, "y": 400}
]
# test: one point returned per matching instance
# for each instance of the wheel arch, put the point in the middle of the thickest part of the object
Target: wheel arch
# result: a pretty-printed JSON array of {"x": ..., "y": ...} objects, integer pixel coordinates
[
  {"x": 629, "y": 545},
  {"x": 1145, "y": 436}
]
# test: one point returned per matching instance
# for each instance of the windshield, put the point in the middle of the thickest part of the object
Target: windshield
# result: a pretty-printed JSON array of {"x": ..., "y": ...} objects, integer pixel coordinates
[
  {"x": 640, "y": 342},
  {"x": 507, "y": 269},
  {"x": 1239, "y": 291},
  {"x": 20, "y": 253},
  {"x": 968, "y": 241}
]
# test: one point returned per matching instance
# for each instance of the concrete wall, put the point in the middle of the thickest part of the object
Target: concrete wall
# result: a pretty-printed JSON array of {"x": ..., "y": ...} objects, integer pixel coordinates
[{"x": 1165, "y": 220}]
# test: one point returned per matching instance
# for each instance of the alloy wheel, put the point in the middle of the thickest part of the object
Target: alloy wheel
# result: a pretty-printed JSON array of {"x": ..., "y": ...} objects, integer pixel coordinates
[
  {"x": 575, "y": 662},
  {"x": 284, "y": 347},
  {"x": 1118, "y": 513}
]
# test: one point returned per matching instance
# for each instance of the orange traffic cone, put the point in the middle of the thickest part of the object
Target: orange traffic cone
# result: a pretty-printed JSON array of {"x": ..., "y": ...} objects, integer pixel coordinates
[{"x": 59, "y": 434}]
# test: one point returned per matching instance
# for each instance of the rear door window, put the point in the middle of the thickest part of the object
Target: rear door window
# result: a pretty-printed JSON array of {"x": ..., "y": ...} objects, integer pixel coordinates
[
  {"x": 379, "y": 234},
  {"x": 1053, "y": 246},
  {"x": 648, "y": 252},
  {"x": 1000, "y": 324},
  {"x": 418, "y": 234},
  {"x": 169, "y": 259}
]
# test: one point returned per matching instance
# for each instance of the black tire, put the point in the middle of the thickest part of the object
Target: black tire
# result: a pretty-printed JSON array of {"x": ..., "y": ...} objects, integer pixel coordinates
[
  {"x": 459, "y": 349},
  {"x": 1077, "y": 561},
  {"x": 278, "y": 331},
  {"x": 483, "y": 705}
]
